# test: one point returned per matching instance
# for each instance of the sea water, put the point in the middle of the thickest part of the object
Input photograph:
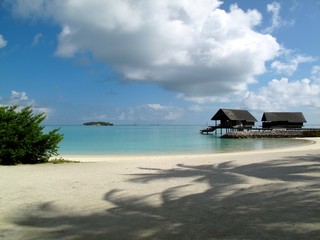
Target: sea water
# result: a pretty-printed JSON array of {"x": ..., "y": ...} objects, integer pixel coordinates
[{"x": 154, "y": 140}]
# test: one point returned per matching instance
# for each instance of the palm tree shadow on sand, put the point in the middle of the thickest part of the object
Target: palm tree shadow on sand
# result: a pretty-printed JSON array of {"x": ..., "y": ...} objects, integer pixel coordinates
[{"x": 284, "y": 204}]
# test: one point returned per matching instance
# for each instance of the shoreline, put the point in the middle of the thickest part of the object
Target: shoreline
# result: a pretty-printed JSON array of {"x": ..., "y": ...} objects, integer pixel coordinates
[
  {"x": 263, "y": 194},
  {"x": 311, "y": 144}
]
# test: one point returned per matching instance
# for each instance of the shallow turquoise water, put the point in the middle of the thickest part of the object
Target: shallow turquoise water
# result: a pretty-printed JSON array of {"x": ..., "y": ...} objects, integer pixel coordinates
[{"x": 124, "y": 140}]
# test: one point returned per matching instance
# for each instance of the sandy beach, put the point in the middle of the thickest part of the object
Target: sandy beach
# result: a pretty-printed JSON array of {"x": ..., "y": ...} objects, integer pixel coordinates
[{"x": 268, "y": 194}]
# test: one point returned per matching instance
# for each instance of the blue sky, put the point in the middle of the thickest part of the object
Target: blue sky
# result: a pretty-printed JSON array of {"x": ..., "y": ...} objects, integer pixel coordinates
[{"x": 166, "y": 62}]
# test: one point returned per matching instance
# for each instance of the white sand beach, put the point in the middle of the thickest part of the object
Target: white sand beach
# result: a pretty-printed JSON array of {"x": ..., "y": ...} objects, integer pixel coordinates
[{"x": 268, "y": 194}]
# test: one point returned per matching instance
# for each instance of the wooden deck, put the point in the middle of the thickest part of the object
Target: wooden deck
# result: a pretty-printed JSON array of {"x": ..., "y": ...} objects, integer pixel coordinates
[
  {"x": 211, "y": 129},
  {"x": 208, "y": 129}
]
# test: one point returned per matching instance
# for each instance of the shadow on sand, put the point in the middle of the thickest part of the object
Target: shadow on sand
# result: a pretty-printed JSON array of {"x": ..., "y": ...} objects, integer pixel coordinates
[{"x": 285, "y": 205}]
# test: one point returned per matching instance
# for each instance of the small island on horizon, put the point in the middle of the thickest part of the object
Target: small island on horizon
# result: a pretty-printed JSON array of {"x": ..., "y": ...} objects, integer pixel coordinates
[{"x": 98, "y": 124}]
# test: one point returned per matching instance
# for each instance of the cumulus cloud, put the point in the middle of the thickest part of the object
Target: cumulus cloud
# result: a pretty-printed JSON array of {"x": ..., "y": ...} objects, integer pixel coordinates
[
  {"x": 153, "y": 112},
  {"x": 194, "y": 48},
  {"x": 16, "y": 98},
  {"x": 21, "y": 99},
  {"x": 315, "y": 73},
  {"x": 282, "y": 94},
  {"x": 3, "y": 42}
]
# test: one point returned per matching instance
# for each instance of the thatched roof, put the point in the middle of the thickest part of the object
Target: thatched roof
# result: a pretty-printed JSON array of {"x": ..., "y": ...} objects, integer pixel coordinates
[
  {"x": 291, "y": 117},
  {"x": 234, "y": 115}
]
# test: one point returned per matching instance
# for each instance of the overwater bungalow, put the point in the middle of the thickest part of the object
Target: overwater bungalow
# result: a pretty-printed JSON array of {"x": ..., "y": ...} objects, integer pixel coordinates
[
  {"x": 234, "y": 118},
  {"x": 231, "y": 119},
  {"x": 283, "y": 120}
]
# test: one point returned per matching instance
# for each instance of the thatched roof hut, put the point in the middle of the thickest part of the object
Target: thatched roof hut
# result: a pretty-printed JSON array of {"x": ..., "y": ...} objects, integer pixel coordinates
[
  {"x": 231, "y": 118},
  {"x": 283, "y": 120}
]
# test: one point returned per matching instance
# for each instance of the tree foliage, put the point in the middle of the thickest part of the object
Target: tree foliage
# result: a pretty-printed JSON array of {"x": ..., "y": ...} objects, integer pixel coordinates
[{"x": 22, "y": 140}]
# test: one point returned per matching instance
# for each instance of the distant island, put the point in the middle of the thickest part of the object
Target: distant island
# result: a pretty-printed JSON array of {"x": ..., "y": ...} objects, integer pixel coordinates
[{"x": 98, "y": 124}]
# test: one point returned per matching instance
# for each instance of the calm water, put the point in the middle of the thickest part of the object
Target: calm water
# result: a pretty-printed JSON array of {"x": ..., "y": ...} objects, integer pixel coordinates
[{"x": 155, "y": 140}]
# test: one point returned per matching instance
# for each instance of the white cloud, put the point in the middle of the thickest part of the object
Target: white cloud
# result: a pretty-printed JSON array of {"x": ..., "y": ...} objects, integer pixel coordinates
[
  {"x": 315, "y": 74},
  {"x": 3, "y": 42},
  {"x": 199, "y": 100},
  {"x": 155, "y": 106},
  {"x": 16, "y": 98},
  {"x": 96, "y": 117},
  {"x": 21, "y": 99},
  {"x": 196, "y": 108},
  {"x": 276, "y": 20},
  {"x": 159, "y": 112},
  {"x": 289, "y": 61},
  {"x": 36, "y": 39},
  {"x": 67, "y": 49},
  {"x": 152, "y": 113},
  {"x": 274, "y": 9},
  {"x": 282, "y": 94},
  {"x": 191, "y": 47},
  {"x": 19, "y": 96}
]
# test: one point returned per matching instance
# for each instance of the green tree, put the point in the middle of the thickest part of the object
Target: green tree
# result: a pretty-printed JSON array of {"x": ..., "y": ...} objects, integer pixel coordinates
[{"x": 22, "y": 140}]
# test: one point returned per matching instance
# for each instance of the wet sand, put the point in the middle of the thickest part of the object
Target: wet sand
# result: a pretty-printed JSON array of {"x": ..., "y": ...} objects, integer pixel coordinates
[{"x": 269, "y": 194}]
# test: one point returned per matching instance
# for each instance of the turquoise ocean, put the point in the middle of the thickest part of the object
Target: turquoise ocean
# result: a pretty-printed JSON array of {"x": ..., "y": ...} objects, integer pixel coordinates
[{"x": 155, "y": 140}]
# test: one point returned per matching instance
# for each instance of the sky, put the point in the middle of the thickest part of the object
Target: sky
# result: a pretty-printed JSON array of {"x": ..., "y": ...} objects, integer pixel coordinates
[{"x": 159, "y": 61}]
